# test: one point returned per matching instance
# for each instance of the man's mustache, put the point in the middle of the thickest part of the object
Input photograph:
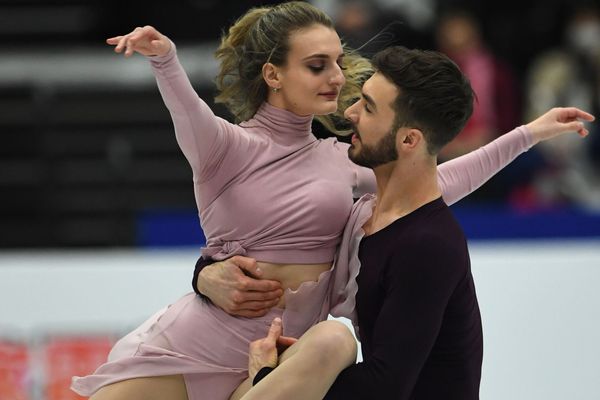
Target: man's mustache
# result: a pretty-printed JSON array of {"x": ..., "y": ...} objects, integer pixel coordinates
[{"x": 355, "y": 130}]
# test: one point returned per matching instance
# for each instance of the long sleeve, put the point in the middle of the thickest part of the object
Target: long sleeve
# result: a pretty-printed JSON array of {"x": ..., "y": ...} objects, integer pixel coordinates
[
  {"x": 364, "y": 178},
  {"x": 416, "y": 296},
  {"x": 463, "y": 175},
  {"x": 204, "y": 138},
  {"x": 365, "y": 181}
]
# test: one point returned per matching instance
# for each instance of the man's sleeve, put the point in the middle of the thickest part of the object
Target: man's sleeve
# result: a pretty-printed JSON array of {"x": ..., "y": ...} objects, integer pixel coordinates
[
  {"x": 419, "y": 287},
  {"x": 200, "y": 265}
]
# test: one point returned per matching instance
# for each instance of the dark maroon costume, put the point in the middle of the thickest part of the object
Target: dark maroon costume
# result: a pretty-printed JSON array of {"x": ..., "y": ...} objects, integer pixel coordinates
[{"x": 419, "y": 320}]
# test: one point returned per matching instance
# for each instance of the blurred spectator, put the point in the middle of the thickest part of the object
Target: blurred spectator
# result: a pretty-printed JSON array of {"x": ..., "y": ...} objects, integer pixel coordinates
[
  {"x": 495, "y": 109},
  {"x": 359, "y": 21},
  {"x": 569, "y": 75}
]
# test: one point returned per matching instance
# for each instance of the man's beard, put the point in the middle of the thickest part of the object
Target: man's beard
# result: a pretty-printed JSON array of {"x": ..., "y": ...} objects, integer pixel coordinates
[{"x": 383, "y": 152}]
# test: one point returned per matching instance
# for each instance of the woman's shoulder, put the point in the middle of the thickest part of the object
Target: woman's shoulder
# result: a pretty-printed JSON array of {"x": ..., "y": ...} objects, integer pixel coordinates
[{"x": 335, "y": 144}]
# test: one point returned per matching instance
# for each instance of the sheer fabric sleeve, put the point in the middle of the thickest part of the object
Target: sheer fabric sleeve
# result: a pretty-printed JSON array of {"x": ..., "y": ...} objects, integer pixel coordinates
[
  {"x": 364, "y": 179},
  {"x": 463, "y": 175}
]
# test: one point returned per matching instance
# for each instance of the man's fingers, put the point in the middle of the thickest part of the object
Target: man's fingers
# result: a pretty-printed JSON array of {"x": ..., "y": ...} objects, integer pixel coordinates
[
  {"x": 248, "y": 265},
  {"x": 244, "y": 296},
  {"x": 250, "y": 270},
  {"x": 274, "y": 331},
  {"x": 250, "y": 313},
  {"x": 256, "y": 305},
  {"x": 258, "y": 285},
  {"x": 286, "y": 341}
]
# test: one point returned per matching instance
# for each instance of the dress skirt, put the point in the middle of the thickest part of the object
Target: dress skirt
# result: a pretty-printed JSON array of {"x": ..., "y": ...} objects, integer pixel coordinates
[{"x": 200, "y": 341}]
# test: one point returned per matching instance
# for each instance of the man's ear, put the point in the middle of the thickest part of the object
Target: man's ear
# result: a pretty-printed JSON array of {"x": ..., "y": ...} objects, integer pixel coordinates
[
  {"x": 270, "y": 74},
  {"x": 410, "y": 138}
]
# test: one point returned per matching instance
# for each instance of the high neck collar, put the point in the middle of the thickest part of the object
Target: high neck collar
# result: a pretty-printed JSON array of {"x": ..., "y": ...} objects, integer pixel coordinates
[{"x": 281, "y": 122}]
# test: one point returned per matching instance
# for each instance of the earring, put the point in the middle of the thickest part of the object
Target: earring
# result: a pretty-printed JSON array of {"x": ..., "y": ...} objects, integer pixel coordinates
[{"x": 275, "y": 90}]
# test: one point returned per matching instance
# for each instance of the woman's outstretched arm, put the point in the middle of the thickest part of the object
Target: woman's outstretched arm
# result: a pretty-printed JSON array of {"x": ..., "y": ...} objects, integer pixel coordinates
[
  {"x": 203, "y": 137},
  {"x": 463, "y": 175}
]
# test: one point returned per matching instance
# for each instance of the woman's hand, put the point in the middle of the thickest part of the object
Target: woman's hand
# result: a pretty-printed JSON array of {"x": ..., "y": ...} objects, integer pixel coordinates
[
  {"x": 558, "y": 121},
  {"x": 146, "y": 41}
]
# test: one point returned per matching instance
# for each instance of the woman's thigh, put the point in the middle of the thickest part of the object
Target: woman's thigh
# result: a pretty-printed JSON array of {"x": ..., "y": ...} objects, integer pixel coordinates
[
  {"x": 327, "y": 340},
  {"x": 170, "y": 387}
]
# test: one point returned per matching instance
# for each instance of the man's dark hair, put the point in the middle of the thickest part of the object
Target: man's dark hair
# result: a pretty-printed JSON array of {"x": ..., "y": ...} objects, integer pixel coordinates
[{"x": 434, "y": 95}]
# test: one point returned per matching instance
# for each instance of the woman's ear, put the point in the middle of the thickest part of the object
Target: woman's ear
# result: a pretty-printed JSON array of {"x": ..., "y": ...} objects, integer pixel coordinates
[{"x": 270, "y": 74}]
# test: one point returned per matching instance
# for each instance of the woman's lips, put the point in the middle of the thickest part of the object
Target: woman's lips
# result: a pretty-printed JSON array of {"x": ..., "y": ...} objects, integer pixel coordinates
[{"x": 329, "y": 95}]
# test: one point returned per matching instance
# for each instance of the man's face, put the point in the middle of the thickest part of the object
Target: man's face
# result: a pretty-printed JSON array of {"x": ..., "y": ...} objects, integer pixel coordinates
[{"x": 372, "y": 117}]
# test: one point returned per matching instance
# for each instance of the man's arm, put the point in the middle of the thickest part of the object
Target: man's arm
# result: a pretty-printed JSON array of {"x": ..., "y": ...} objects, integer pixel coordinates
[
  {"x": 407, "y": 326},
  {"x": 236, "y": 287}
]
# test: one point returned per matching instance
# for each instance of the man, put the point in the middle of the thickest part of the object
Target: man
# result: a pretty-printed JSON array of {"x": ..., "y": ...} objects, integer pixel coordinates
[{"x": 417, "y": 310}]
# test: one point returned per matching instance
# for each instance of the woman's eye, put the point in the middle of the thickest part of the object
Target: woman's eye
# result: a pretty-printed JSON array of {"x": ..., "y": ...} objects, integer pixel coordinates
[
  {"x": 367, "y": 108},
  {"x": 316, "y": 68},
  {"x": 341, "y": 65}
]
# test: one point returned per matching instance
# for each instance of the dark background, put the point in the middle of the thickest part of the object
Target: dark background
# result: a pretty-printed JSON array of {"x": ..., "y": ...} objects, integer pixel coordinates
[{"x": 96, "y": 165}]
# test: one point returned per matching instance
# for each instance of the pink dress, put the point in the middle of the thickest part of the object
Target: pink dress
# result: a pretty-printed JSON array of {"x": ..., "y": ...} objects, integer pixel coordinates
[{"x": 268, "y": 189}]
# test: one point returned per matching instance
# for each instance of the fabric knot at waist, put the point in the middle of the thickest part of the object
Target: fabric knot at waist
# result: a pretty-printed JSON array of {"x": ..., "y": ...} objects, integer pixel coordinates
[{"x": 224, "y": 250}]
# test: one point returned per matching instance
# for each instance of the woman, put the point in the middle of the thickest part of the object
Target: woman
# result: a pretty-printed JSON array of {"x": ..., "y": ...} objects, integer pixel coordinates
[{"x": 266, "y": 188}]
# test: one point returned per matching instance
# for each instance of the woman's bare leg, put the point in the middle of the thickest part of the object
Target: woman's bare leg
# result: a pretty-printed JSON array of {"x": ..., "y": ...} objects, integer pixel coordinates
[
  {"x": 308, "y": 368},
  {"x": 241, "y": 390},
  {"x": 170, "y": 387}
]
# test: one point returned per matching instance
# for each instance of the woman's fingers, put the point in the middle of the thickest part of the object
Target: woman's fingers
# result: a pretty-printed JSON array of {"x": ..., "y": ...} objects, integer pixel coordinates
[
  {"x": 573, "y": 113},
  {"x": 113, "y": 40},
  {"x": 157, "y": 45},
  {"x": 121, "y": 44},
  {"x": 580, "y": 114},
  {"x": 129, "y": 47},
  {"x": 132, "y": 40},
  {"x": 147, "y": 41},
  {"x": 583, "y": 132}
]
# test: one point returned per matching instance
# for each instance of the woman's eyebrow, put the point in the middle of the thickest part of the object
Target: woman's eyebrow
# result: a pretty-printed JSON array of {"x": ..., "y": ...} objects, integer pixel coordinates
[{"x": 320, "y": 55}]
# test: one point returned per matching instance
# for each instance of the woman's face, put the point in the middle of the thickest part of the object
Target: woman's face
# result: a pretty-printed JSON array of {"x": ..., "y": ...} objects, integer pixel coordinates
[{"x": 312, "y": 78}]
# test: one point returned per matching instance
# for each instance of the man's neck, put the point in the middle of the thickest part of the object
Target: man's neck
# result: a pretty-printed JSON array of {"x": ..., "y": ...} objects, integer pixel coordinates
[{"x": 402, "y": 187}]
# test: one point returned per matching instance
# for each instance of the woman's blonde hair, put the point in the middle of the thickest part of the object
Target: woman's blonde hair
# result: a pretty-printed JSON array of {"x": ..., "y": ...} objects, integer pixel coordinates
[{"x": 261, "y": 36}]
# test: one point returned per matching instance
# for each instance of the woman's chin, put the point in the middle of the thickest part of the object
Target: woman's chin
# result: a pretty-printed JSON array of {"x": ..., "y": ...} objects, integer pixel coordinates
[{"x": 327, "y": 109}]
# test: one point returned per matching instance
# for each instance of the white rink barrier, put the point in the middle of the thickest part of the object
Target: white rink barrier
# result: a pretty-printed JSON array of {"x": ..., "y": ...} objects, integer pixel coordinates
[{"x": 539, "y": 300}]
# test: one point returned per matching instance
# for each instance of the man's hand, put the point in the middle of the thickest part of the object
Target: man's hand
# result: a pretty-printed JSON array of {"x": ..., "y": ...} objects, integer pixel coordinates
[
  {"x": 558, "y": 121},
  {"x": 265, "y": 352},
  {"x": 234, "y": 285}
]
